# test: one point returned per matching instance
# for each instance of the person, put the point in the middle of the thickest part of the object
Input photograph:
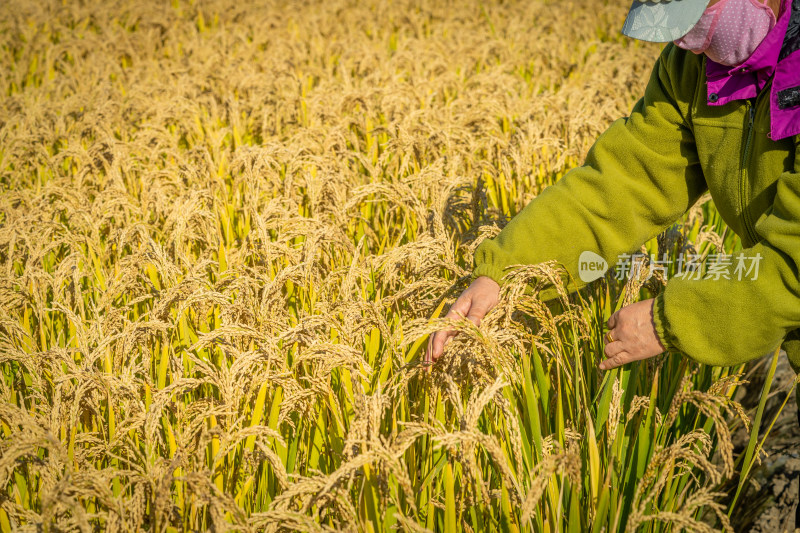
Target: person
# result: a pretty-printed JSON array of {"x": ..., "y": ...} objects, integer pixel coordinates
[{"x": 720, "y": 114}]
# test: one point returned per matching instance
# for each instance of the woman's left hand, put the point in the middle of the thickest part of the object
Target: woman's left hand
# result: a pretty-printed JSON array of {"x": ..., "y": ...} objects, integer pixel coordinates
[{"x": 632, "y": 335}]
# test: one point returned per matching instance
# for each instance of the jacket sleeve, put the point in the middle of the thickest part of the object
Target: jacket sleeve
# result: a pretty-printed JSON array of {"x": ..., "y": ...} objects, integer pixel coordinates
[
  {"x": 744, "y": 310},
  {"x": 640, "y": 176}
]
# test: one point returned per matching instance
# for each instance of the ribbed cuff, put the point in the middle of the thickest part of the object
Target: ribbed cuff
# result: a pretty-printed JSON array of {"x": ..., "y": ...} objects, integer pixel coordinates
[
  {"x": 661, "y": 323},
  {"x": 488, "y": 270}
]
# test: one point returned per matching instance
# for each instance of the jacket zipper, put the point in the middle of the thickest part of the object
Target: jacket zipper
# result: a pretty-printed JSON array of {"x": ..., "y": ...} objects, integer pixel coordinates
[{"x": 748, "y": 225}]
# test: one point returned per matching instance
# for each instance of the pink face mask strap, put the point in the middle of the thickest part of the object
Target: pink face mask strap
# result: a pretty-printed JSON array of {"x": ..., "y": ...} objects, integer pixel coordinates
[{"x": 716, "y": 10}]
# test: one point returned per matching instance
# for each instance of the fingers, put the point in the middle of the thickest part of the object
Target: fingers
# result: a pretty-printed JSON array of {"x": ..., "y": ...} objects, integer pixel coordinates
[
  {"x": 612, "y": 320},
  {"x": 428, "y": 357},
  {"x": 477, "y": 311},
  {"x": 437, "y": 342},
  {"x": 613, "y": 348},
  {"x": 461, "y": 306},
  {"x": 631, "y": 337},
  {"x": 473, "y": 304},
  {"x": 620, "y": 358}
]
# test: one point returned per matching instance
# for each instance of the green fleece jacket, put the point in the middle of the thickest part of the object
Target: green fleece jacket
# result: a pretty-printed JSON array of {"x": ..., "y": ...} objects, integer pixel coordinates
[{"x": 642, "y": 175}]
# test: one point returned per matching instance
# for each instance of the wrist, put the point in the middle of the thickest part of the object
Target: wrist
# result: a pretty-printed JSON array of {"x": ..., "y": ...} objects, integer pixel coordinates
[{"x": 488, "y": 281}]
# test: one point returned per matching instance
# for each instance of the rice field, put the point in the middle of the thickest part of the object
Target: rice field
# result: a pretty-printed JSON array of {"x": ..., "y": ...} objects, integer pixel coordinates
[{"x": 227, "y": 228}]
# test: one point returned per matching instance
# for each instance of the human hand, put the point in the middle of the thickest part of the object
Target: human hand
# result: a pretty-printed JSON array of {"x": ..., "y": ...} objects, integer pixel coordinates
[
  {"x": 474, "y": 303},
  {"x": 633, "y": 335}
]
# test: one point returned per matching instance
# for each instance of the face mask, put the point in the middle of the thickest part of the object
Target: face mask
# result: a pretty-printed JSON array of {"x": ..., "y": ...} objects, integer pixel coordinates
[{"x": 729, "y": 31}]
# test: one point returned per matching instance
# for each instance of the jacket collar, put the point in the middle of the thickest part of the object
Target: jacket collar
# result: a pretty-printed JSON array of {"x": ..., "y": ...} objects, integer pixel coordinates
[{"x": 777, "y": 56}]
